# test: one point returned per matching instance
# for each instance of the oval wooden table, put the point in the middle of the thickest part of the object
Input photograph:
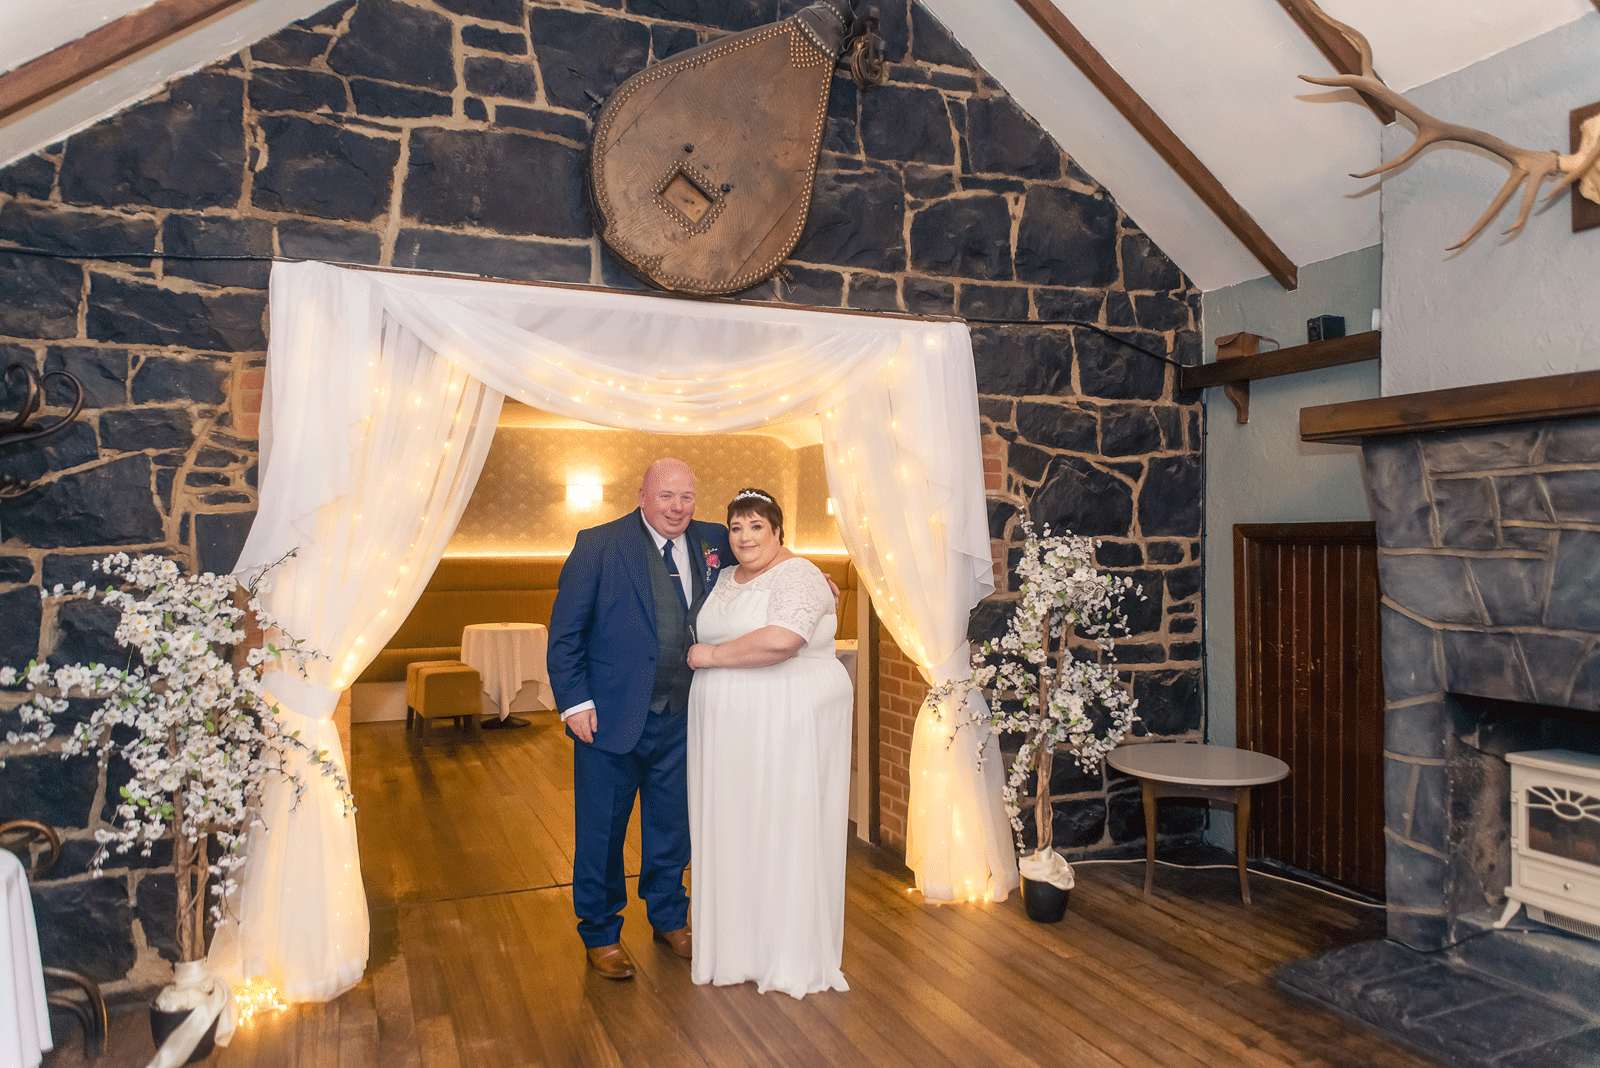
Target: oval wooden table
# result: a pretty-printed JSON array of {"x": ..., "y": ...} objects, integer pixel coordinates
[{"x": 1213, "y": 772}]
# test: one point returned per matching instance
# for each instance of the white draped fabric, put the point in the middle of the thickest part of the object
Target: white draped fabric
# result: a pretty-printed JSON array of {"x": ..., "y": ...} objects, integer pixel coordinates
[{"x": 382, "y": 395}]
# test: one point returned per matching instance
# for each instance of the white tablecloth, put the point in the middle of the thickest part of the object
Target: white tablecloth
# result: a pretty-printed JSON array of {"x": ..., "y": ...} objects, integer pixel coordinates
[
  {"x": 24, "y": 1015},
  {"x": 510, "y": 657}
]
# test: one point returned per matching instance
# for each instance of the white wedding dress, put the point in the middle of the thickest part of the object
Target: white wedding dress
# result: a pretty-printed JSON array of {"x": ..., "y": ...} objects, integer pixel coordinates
[{"x": 769, "y": 781}]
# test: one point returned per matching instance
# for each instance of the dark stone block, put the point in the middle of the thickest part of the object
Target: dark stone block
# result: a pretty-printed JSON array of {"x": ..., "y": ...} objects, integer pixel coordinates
[
  {"x": 22, "y": 611},
  {"x": 1017, "y": 361},
  {"x": 103, "y": 372},
  {"x": 1183, "y": 626},
  {"x": 1585, "y": 691},
  {"x": 385, "y": 101},
  {"x": 1160, "y": 311},
  {"x": 1466, "y": 512},
  {"x": 290, "y": 47},
  {"x": 131, "y": 429},
  {"x": 1433, "y": 989},
  {"x": 928, "y": 183},
  {"x": 86, "y": 633},
  {"x": 1554, "y": 663},
  {"x": 1059, "y": 426},
  {"x": 871, "y": 292},
  {"x": 1573, "y": 604},
  {"x": 508, "y": 11},
  {"x": 670, "y": 40},
  {"x": 332, "y": 172},
  {"x": 1146, "y": 267},
  {"x": 133, "y": 312},
  {"x": 1076, "y": 824},
  {"x": 86, "y": 927},
  {"x": 492, "y": 40},
  {"x": 1338, "y": 977},
  {"x": 1421, "y": 930},
  {"x": 1397, "y": 493},
  {"x": 504, "y": 78},
  {"x": 14, "y": 569},
  {"x": 719, "y": 14},
  {"x": 210, "y": 235},
  {"x": 106, "y": 505},
  {"x": 305, "y": 91},
  {"x": 498, "y": 257},
  {"x": 1434, "y": 587},
  {"x": 303, "y": 239},
  {"x": 1480, "y": 450},
  {"x": 41, "y": 296},
  {"x": 1512, "y": 589},
  {"x": 1522, "y": 498},
  {"x": 572, "y": 127},
  {"x": 1127, "y": 430},
  {"x": 1430, "y": 814},
  {"x": 506, "y": 182},
  {"x": 929, "y": 296},
  {"x": 580, "y": 53},
  {"x": 1169, "y": 502},
  {"x": 1165, "y": 552},
  {"x": 1069, "y": 305},
  {"x": 931, "y": 43},
  {"x": 56, "y": 229},
  {"x": 1574, "y": 495},
  {"x": 205, "y": 478},
  {"x": 1027, "y": 461},
  {"x": 1184, "y": 582},
  {"x": 994, "y": 302},
  {"x": 475, "y": 109},
  {"x": 396, "y": 42},
  {"x": 1169, "y": 702},
  {"x": 841, "y": 131},
  {"x": 1581, "y": 1050},
  {"x": 227, "y": 497},
  {"x": 1080, "y": 497},
  {"x": 1119, "y": 554},
  {"x": 616, "y": 274},
  {"x": 209, "y": 457},
  {"x": 1509, "y": 1022},
  {"x": 70, "y": 568},
  {"x": 856, "y": 220},
  {"x": 906, "y": 123},
  {"x": 1107, "y": 368},
  {"x": 1002, "y": 139},
  {"x": 185, "y": 150},
  {"x": 1411, "y": 657},
  {"x": 954, "y": 83},
  {"x": 988, "y": 621},
  {"x": 1572, "y": 441},
  {"x": 1066, "y": 238},
  {"x": 1143, "y": 653},
  {"x": 1487, "y": 665},
  {"x": 30, "y": 176},
  {"x": 1119, "y": 309},
  {"x": 158, "y": 913},
  {"x": 53, "y": 790},
  {"x": 219, "y": 537},
  {"x": 72, "y": 447},
  {"x": 1001, "y": 513},
  {"x": 818, "y": 288},
  {"x": 997, "y": 409},
  {"x": 166, "y": 378},
  {"x": 1413, "y": 878},
  {"x": 1417, "y": 730}
]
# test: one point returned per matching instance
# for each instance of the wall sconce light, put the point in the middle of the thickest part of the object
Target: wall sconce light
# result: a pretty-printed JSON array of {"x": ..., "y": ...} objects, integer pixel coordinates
[{"x": 585, "y": 493}]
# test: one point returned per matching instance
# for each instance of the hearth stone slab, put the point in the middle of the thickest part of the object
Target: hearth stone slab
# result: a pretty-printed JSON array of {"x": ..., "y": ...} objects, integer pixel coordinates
[
  {"x": 1566, "y": 965},
  {"x": 1449, "y": 1011}
]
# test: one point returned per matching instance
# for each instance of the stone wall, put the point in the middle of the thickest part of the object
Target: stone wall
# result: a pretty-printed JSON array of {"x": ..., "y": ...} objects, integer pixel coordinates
[
  {"x": 450, "y": 135},
  {"x": 1489, "y": 557}
]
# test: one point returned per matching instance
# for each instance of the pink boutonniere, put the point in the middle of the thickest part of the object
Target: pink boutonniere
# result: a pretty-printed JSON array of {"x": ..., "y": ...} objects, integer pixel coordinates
[{"x": 712, "y": 561}]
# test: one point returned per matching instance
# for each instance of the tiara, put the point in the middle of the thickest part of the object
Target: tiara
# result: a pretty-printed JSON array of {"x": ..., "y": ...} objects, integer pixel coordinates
[{"x": 742, "y": 494}]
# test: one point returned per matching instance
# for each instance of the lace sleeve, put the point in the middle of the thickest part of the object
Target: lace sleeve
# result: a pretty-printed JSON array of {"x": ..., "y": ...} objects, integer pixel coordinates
[{"x": 800, "y": 598}]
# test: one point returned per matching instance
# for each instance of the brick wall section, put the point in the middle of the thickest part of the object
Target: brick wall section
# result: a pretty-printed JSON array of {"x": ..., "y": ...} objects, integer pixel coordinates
[
  {"x": 450, "y": 135},
  {"x": 900, "y": 694}
]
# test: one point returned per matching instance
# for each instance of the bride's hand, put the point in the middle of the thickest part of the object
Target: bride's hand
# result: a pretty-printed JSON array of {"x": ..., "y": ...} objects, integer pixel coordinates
[{"x": 700, "y": 655}]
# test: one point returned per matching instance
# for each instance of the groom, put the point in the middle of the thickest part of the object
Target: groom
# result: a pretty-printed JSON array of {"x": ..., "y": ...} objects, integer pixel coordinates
[{"x": 619, "y": 634}]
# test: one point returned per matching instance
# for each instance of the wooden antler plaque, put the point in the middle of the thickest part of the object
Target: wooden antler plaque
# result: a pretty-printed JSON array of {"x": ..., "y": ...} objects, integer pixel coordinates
[{"x": 702, "y": 166}]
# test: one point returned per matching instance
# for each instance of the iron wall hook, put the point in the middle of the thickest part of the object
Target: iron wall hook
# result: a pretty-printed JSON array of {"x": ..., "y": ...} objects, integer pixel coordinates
[{"x": 17, "y": 430}]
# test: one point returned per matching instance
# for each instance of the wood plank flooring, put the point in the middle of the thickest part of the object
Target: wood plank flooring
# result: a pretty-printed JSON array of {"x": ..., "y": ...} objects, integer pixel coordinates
[{"x": 476, "y": 963}]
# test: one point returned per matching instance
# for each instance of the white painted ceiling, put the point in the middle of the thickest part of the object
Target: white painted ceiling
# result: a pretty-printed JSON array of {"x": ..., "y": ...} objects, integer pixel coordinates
[{"x": 1221, "y": 73}]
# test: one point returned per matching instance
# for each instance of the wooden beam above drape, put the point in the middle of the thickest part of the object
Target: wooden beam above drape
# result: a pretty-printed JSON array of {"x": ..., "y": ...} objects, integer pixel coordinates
[
  {"x": 1160, "y": 136},
  {"x": 84, "y": 59}
]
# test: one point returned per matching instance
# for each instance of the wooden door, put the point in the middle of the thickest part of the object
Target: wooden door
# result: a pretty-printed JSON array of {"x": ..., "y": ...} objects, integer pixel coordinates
[{"x": 1310, "y": 691}]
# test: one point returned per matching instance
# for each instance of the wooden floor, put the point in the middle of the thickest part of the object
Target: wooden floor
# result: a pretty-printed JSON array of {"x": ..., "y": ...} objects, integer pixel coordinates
[{"x": 476, "y": 963}]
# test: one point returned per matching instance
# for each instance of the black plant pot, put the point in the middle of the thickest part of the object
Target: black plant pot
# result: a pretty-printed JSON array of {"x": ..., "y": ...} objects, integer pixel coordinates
[
  {"x": 1044, "y": 902},
  {"x": 163, "y": 1023}
]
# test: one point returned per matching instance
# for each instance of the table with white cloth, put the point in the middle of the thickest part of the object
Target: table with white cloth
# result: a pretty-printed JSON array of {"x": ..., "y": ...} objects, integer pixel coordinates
[
  {"x": 510, "y": 659},
  {"x": 24, "y": 1015}
]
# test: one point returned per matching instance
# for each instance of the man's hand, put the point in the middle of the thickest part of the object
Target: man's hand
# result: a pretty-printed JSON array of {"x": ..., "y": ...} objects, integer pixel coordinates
[{"x": 583, "y": 724}]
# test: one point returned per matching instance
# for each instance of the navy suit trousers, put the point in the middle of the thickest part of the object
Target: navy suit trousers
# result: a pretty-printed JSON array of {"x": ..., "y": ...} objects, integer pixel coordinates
[{"x": 606, "y": 783}]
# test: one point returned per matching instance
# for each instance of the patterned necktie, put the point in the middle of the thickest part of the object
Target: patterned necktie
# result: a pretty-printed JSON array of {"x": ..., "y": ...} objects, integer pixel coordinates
[{"x": 672, "y": 572}]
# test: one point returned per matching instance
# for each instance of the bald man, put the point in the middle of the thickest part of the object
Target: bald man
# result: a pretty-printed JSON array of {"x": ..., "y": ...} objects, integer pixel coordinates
[{"x": 619, "y": 635}]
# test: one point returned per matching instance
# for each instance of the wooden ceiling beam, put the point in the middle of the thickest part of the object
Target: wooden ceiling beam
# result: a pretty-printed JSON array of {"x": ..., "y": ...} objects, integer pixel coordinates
[
  {"x": 1340, "y": 53},
  {"x": 84, "y": 59},
  {"x": 1167, "y": 144}
]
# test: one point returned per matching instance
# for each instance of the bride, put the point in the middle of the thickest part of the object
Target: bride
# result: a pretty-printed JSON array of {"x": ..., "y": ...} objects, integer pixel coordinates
[{"x": 769, "y": 767}]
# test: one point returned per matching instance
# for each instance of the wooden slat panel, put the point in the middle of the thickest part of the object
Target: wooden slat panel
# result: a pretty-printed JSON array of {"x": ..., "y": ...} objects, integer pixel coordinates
[{"x": 1310, "y": 692}]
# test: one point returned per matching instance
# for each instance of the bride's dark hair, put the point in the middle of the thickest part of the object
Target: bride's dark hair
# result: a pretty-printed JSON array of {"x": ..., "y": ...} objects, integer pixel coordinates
[{"x": 752, "y": 501}]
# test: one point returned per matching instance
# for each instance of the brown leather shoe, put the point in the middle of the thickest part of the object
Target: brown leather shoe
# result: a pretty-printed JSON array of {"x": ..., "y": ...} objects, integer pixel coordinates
[
  {"x": 612, "y": 961},
  {"x": 681, "y": 941}
]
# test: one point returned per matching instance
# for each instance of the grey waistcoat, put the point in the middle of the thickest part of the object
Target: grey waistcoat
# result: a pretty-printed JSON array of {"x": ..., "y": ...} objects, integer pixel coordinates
[{"x": 672, "y": 632}]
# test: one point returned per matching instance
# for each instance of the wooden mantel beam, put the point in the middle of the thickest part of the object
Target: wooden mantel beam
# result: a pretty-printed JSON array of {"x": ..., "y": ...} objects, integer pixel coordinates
[
  {"x": 84, "y": 59},
  {"x": 1338, "y": 51},
  {"x": 1168, "y": 146}
]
